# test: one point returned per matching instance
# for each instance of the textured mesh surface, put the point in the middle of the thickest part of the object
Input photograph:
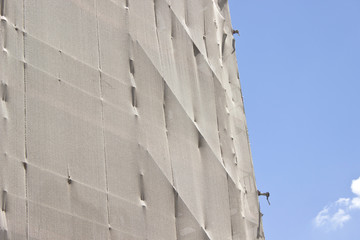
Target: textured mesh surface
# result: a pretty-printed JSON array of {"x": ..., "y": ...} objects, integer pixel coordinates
[{"x": 123, "y": 119}]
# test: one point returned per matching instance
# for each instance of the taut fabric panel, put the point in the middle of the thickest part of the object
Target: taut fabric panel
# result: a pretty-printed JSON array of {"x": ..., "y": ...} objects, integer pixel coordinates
[{"x": 123, "y": 119}]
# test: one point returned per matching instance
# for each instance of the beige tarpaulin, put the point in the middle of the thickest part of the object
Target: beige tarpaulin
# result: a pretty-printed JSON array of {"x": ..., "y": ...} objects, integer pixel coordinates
[{"x": 123, "y": 119}]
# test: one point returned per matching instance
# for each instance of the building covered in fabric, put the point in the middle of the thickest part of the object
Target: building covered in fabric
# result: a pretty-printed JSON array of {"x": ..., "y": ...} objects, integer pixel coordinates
[{"x": 123, "y": 119}]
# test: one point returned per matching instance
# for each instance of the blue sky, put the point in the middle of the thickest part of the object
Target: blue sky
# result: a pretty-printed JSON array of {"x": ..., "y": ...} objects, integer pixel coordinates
[{"x": 299, "y": 63}]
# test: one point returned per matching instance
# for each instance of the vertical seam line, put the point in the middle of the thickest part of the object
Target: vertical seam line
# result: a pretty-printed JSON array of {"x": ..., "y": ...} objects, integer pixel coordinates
[
  {"x": 102, "y": 114},
  {"x": 25, "y": 129}
]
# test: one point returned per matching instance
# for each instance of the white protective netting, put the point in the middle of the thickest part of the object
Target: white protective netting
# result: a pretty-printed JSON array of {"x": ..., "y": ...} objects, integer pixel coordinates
[{"x": 123, "y": 119}]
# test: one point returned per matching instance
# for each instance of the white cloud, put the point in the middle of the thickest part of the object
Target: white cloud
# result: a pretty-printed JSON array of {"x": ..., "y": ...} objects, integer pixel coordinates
[
  {"x": 332, "y": 217},
  {"x": 343, "y": 201},
  {"x": 355, "y": 203},
  {"x": 335, "y": 215},
  {"x": 355, "y": 186},
  {"x": 322, "y": 218},
  {"x": 339, "y": 218}
]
